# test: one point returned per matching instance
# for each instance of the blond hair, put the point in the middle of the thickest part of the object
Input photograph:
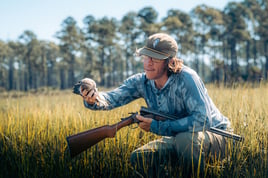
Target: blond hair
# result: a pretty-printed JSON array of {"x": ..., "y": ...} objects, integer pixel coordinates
[{"x": 174, "y": 65}]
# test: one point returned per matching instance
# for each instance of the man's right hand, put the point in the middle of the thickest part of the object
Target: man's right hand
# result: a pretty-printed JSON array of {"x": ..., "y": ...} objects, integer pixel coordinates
[
  {"x": 145, "y": 122},
  {"x": 89, "y": 96},
  {"x": 87, "y": 89}
]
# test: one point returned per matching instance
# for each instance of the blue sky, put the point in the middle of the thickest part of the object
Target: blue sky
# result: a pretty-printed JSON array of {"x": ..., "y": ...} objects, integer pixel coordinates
[{"x": 44, "y": 17}]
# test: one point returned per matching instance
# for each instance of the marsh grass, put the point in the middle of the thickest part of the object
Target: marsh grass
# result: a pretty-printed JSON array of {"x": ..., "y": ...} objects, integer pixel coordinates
[{"x": 34, "y": 127}]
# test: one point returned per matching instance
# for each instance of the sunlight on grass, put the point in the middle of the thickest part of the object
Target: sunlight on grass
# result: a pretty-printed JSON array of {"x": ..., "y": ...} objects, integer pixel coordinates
[{"x": 33, "y": 134}]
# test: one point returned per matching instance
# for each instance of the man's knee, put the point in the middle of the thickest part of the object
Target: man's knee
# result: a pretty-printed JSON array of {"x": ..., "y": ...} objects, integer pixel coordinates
[
  {"x": 184, "y": 143},
  {"x": 191, "y": 147}
]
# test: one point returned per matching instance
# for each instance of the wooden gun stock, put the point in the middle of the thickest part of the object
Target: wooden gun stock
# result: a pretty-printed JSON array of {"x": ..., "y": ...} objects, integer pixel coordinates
[{"x": 82, "y": 141}]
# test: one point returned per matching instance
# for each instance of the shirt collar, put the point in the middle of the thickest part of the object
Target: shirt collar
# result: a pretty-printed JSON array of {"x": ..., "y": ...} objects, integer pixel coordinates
[{"x": 167, "y": 84}]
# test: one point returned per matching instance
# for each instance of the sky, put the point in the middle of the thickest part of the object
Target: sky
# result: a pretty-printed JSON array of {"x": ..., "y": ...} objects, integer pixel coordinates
[{"x": 44, "y": 17}]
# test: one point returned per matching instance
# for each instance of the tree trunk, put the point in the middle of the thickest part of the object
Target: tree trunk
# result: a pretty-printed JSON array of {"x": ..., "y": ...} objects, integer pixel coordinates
[
  {"x": 266, "y": 57},
  {"x": 255, "y": 52},
  {"x": 197, "y": 60},
  {"x": 234, "y": 64},
  {"x": 30, "y": 75},
  {"x": 10, "y": 74},
  {"x": 225, "y": 62},
  {"x": 44, "y": 81},
  {"x": 35, "y": 80},
  {"x": 62, "y": 79},
  {"x": 71, "y": 78},
  {"x": 247, "y": 58},
  {"x": 203, "y": 62},
  {"x": 102, "y": 68},
  {"x": 20, "y": 77},
  {"x": 127, "y": 61},
  {"x": 25, "y": 81},
  {"x": 49, "y": 74}
]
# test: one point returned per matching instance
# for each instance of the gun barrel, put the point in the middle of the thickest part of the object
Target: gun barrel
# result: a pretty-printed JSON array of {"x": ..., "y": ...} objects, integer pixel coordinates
[{"x": 226, "y": 134}]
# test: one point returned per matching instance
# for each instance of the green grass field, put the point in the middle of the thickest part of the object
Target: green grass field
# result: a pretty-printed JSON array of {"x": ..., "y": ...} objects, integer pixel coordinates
[{"x": 33, "y": 130}]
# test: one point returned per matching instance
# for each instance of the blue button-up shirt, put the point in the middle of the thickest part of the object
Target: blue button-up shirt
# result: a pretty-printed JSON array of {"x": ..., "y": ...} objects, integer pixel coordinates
[{"x": 184, "y": 95}]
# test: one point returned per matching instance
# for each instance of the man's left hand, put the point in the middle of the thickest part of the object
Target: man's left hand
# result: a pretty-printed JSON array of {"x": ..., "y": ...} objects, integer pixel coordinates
[{"x": 145, "y": 122}]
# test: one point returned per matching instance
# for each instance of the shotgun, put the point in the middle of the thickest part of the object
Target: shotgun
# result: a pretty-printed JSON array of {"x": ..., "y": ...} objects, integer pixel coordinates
[{"x": 82, "y": 141}]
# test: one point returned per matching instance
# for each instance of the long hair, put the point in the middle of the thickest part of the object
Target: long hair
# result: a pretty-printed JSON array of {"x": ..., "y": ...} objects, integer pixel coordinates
[{"x": 174, "y": 65}]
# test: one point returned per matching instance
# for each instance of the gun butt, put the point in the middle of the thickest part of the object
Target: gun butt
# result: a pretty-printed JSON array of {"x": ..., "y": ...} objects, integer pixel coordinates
[
  {"x": 82, "y": 141},
  {"x": 74, "y": 151}
]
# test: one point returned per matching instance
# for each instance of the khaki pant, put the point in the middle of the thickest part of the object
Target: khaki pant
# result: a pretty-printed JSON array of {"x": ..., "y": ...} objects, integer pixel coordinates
[{"x": 186, "y": 148}]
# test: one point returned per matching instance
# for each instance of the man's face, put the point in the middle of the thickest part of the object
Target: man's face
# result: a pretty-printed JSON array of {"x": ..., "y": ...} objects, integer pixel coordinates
[{"x": 154, "y": 68}]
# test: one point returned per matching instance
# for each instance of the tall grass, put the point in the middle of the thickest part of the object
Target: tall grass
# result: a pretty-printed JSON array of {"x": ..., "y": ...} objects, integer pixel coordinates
[{"x": 33, "y": 130}]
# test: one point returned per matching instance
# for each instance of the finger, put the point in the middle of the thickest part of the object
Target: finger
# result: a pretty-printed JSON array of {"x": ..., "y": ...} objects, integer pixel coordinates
[
  {"x": 85, "y": 93},
  {"x": 91, "y": 93},
  {"x": 144, "y": 119},
  {"x": 95, "y": 95},
  {"x": 83, "y": 88},
  {"x": 140, "y": 118}
]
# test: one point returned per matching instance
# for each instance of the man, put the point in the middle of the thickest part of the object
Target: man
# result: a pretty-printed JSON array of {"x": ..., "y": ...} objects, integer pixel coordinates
[{"x": 169, "y": 87}]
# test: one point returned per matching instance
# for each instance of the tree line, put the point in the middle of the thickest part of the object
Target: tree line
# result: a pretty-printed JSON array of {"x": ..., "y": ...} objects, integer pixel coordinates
[{"x": 223, "y": 46}]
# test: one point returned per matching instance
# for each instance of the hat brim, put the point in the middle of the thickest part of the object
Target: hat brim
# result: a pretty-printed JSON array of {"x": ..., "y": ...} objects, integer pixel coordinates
[{"x": 147, "y": 52}]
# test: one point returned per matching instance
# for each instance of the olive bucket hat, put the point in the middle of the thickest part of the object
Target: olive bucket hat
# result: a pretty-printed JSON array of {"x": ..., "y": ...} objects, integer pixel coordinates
[{"x": 159, "y": 46}]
